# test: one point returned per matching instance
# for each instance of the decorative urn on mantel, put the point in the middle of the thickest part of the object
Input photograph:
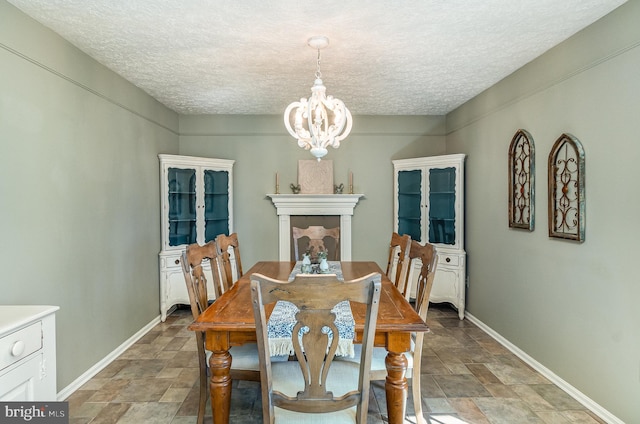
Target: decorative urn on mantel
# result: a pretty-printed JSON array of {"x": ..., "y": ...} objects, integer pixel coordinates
[{"x": 341, "y": 205}]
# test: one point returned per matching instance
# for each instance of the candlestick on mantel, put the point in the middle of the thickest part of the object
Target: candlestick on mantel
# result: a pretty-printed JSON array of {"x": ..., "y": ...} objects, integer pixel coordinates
[
  {"x": 350, "y": 182},
  {"x": 277, "y": 183}
]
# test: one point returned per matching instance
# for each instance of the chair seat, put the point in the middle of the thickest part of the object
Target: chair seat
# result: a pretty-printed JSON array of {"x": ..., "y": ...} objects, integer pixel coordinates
[
  {"x": 245, "y": 357},
  {"x": 342, "y": 378}
]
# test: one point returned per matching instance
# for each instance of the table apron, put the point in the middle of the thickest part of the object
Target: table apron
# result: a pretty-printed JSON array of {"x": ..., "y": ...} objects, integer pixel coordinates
[{"x": 218, "y": 341}]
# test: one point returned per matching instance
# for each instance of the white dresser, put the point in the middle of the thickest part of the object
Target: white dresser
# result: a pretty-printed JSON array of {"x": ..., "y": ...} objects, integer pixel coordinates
[{"x": 27, "y": 353}]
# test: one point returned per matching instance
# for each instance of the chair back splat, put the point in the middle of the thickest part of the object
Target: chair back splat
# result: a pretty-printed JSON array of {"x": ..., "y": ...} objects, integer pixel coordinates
[
  {"x": 229, "y": 250},
  {"x": 429, "y": 258},
  {"x": 398, "y": 263},
  {"x": 315, "y": 236},
  {"x": 337, "y": 391}
]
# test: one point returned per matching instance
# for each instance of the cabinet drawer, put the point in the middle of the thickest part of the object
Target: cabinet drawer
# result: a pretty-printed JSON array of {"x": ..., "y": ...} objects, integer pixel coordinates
[
  {"x": 20, "y": 344},
  {"x": 452, "y": 260}
]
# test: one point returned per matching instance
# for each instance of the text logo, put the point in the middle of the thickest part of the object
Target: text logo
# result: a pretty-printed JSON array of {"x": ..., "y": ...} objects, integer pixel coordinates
[{"x": 34, "y": 412}]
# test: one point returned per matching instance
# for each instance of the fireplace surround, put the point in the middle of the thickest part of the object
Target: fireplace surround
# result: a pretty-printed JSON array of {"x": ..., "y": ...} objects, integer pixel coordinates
[{"x": 288, "y": 205}]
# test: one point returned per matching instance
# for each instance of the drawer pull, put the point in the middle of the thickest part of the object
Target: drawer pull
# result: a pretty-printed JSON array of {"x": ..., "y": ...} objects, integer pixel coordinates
[
  {"x": 447, "y": 259},
  {"x": 177, "y": 261},
  {"x": 18, "y": 348}
]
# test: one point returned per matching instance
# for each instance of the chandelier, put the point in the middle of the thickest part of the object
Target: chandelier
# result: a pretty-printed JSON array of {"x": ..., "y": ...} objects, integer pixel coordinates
[{"x": 320, "y": 120}]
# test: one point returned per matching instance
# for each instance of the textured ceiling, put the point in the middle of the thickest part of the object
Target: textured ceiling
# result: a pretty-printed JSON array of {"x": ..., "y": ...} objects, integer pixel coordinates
[{"x": 250, "y": 56}]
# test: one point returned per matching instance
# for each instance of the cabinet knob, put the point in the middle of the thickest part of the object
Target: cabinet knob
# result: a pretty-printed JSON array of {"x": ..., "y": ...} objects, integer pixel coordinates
[
  {"x": 18, "y": 348},
  {"x": 177, "y": 261},
  {"x": 447, "y": 259}
]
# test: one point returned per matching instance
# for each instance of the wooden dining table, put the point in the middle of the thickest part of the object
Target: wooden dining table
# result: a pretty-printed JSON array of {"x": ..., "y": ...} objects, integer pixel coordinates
[{"x": 229, "y": 322}]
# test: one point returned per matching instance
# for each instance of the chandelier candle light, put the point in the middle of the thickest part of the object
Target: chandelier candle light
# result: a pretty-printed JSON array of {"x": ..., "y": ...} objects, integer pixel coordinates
[{"x": 320, "y": 120}]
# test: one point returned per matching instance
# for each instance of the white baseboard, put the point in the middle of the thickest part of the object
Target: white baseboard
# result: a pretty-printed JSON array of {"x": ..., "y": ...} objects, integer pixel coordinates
[
  {"x": 547, "y": 373},
  {"x": 91, "y": 372}
]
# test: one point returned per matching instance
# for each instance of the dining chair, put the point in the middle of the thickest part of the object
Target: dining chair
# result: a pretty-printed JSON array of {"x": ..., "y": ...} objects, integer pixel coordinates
[
  {"x": 315, "y": 388},
  {"x": 398, "y": 263},
  {"x": 229, "y": 250},
  {"x": 245, "y": 364},
  {"x": 427, "y": 255},
  {"x": 316, "y": 235}
]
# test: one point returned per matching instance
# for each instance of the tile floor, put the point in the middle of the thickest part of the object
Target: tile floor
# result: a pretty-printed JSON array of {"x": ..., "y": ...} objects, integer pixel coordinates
[{"x": 467, "y": 378}]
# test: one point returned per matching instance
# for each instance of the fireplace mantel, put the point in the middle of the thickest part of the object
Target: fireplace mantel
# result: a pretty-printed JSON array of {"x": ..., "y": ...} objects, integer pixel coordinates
[{"x": 314, "y": 204}]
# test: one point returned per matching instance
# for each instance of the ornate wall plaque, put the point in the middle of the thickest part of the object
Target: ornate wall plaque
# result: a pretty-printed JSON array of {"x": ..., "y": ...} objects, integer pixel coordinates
[
  {"x": 566, "y": 189},
  {"x": 521, "y": 181},
  {"x": 315, "y": 177}
]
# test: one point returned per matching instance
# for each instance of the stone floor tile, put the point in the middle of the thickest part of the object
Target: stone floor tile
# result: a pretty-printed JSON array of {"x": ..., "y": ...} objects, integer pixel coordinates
[
  {"x": 553, "y": 417},
  {"x": 507, "y": 411},
  {"x": 88, "y": 409},
  {"x": 466, "y": 377},
  {"x": 111, "y": 413},
  {"x": 557, "y": 397},
  {"x": 169, "y": 372},
  {"x": 177, "y": 343},
  {"x": 493, "y": 347},
  {"x": 175, "y": 395},
  {"x": 139, "y": 368},
  {"x": 532, "y": 398},
  {"x": 510, "y": 374},
  {"x": 499, "y": 390},
  {"x": 429, "y": 387},
  {"x": 468, "y": 410},
  {"x": 439, "y": 406},
  {"x": 143, "y": 390},
  {"x": 109, "y": 391},
  {"x": 482, "y": 373},
  {"x": 458, "y": 369},
  {"x": 461, "y": 386},
  {"x": 433, "y": 365},
  {"x": 149, "y": 412},
  {"x": 581, "y": 417}
]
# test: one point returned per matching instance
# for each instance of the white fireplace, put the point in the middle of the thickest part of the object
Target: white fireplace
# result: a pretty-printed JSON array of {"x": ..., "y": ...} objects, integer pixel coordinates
[{"x": 288, "y": 205}]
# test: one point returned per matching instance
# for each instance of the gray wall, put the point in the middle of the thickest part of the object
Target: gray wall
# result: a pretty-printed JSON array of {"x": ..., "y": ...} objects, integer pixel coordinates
[
  {"x": 572, "y": 307},
  {"x": 261, "y": 146},
  {"x": 80, "y": 207},
  {"x": 79, "y": 190}
]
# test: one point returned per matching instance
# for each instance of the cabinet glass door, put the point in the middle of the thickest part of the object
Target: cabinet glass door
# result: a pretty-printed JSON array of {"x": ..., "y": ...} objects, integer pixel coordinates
[
  {"x": 442, "y": 198},
  {"x": 409, "y": 203},
  {"x": 182, "y": 206},
  {"x": 216, "y": 204}
]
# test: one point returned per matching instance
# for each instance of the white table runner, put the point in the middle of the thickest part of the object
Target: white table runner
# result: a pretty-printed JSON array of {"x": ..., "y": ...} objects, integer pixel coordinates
[
  {"x": 282, "y": 321},
  {"x": 334, "y": 268}
]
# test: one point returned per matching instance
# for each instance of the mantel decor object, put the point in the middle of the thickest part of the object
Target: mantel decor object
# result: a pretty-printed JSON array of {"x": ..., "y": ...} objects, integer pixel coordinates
[
  {"x": 315, "y": 177},
  {"x": 295, "y": 189}
]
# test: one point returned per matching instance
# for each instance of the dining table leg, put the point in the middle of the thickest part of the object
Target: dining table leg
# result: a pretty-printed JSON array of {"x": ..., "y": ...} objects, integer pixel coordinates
[
  {"x": 220, "y": 386},
  {"x": 396, "y": 386}
]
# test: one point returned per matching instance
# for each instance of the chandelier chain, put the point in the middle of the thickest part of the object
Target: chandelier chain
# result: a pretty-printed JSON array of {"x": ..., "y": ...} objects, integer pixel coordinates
[{"x": 318, "y": 73}]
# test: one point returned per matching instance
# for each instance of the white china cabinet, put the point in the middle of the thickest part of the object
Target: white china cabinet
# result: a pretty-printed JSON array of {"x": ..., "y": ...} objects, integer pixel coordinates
[
  {"x": 27, "y": 353},
  {"x": 197, "y": 205},
  {"x": 429, "y": 206}
]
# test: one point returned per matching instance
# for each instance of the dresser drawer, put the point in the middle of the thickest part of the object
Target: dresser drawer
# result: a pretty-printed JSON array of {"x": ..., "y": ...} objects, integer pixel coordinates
[
  {"x": 444, "y": 259},
  {"x": 20, "y": 344}
]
